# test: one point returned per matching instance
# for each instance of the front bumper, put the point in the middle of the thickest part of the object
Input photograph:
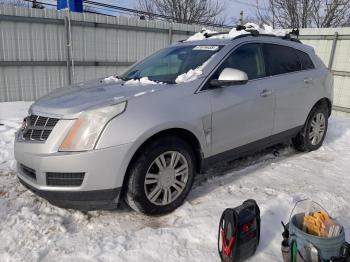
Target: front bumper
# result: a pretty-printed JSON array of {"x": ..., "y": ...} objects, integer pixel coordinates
[
  {"x": 82, "y": 200},
  {"x": 103, "y": 169}
]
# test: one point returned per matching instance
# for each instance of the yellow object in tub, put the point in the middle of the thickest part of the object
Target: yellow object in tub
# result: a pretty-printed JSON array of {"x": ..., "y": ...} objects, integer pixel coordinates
[{"x": 314, "y": 223}]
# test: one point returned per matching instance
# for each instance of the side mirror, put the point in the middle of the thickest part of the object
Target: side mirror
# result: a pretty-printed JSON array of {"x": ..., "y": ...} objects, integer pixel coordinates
[{"x": 229, "y": 77}]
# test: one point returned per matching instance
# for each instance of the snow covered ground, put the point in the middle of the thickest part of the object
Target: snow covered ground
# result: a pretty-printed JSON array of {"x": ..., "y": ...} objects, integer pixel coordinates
[{"x": 32, "y": 230}]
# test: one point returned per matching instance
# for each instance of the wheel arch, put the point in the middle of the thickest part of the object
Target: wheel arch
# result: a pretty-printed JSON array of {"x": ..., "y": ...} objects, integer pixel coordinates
[
  {"x": 182, "y": 133},
  {"x": 326, "y": 102},
  {"x": 299, "y": 139},
  {"x": 321, "y": 102}
]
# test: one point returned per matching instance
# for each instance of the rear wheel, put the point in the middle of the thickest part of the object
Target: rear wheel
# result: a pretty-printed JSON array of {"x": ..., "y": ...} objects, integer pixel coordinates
[
  {"x": 314, "y": 131},
  {"x": 161, "y": 176}
]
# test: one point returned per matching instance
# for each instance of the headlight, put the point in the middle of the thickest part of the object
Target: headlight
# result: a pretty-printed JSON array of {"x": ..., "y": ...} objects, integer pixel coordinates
[{"x": 86, "y": 130}]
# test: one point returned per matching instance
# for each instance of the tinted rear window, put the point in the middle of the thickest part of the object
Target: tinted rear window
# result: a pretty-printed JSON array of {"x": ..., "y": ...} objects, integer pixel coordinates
[
  {"x": 306, "y": 62},
  {"x": 280, "y": 59}
]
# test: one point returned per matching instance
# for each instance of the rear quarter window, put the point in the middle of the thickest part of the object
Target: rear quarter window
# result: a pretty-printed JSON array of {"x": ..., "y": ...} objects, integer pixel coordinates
[
  {"x": 280, "y": 59},
  {"x": 305, "y": 60}
]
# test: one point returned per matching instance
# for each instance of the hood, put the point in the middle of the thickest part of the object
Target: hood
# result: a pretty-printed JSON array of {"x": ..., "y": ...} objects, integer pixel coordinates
[{"x": 69, "y": 101}]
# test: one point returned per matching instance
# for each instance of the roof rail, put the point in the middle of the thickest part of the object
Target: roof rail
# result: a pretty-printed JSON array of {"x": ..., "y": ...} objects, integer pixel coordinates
[
  {"x": 256, "y": 33},
  {"x": 286, "y": 37},
  {"x": 207, "y": 35}
]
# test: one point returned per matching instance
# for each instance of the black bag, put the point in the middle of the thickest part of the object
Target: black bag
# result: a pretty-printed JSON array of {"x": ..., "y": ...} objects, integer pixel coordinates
[{"x": 239, "y": 232}]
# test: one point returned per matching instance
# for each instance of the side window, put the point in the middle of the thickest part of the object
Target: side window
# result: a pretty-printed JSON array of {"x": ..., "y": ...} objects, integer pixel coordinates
[
  {"x": 306, "y": 62},
  {"x": 247, "y": 58},
  {"x": 280, "y": 59}
]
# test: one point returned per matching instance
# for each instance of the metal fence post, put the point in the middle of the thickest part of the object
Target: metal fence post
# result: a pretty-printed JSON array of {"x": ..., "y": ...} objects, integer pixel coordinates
[
  {"x": 334, "y": 46},
  {"x": 170, "y": 34},
  {"x": 68, "y": 50}
]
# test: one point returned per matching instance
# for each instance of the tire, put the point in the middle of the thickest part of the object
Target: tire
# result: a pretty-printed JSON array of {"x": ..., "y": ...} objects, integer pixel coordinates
[
  {"x": 304, "y": 141},
  {"x": 146, "y": 198}
]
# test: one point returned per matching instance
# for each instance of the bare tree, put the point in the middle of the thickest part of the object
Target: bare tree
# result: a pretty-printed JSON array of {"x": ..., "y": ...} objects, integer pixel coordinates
[
  {"x": 23, "y": 3},
  {"x": 336, "y": 13},
  {"x": 185, "y": 11},
  {"x": 304, "y": 13},
  {"x": 14, "y": 3},
  {"x": 246, "y": 19}
]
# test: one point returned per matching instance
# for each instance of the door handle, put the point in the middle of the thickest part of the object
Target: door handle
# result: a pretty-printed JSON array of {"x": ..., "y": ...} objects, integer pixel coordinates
[
  {"x": 308, "y": 80},
  {"x": 266, "y": 93}
]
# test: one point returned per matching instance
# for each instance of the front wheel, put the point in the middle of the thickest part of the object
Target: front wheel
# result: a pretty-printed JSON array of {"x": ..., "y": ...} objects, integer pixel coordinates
[
  {"x": 161, "y": 176},
  {"x": 314, "y": 131}
]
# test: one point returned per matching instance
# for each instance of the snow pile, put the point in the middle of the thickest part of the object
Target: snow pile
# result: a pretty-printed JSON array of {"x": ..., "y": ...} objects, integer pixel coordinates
[
  {"x": 11, "y": 117},
  {"x": 131, "y": 82},
  {"x": 234, "y": 32},
  {"x": 201, "y": 35},
  {"x": 141, "y": 81},
  {"x": 112, "y": 79},
  {"x": 277, "y": 32},
  {"x": 33, "y": 230},
  {"x": 192, "y": 74}
]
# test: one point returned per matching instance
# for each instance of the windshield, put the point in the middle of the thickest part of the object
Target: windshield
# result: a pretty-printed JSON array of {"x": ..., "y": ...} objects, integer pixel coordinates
[{"x": 167, "y": 64}]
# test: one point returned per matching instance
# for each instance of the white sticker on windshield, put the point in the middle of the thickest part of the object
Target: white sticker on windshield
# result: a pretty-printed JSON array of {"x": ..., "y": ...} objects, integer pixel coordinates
[{"x": 206, "y": 47}]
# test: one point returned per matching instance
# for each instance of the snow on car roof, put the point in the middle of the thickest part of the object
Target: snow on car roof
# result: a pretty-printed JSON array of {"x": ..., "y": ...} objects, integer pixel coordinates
[
  {"x": 237, "y": 31},
  {"x": 209, "y": 37}
]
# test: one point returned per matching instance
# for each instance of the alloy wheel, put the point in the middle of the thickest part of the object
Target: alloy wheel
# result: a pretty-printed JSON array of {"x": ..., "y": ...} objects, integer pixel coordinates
[
  {"x": 317, "y": 129},
  {"x": 166, "y": 178}
]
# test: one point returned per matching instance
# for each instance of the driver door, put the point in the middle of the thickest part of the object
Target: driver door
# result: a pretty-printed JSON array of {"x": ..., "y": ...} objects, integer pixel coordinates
[{"x": 242, "y": 114}]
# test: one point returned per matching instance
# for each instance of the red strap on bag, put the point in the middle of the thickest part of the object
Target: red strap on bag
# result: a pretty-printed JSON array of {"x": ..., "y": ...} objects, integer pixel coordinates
[
  {"x": 246, "y": 227},
  {"x": 227, "y": 249}
]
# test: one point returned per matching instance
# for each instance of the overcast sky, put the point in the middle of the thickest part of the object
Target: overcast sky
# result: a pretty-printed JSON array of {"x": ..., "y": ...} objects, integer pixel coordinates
[{"x": 233, "y": 7}]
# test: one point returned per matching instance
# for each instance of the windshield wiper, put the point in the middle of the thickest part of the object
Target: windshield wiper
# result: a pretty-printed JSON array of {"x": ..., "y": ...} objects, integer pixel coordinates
[
  {"x": 165, "y": 81},
  {"x": 125, "y": 78}
]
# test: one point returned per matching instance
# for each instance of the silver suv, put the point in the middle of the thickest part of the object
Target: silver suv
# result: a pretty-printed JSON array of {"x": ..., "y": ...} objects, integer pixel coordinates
[{"x": 143, "y": 135}]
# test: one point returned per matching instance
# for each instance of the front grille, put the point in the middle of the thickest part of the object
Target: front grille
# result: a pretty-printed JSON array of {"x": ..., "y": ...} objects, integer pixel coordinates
[
  {"x": 38, "y": 128},
  {"x": 30, "y": 172},
  {"x": 64, "y": 179}
]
